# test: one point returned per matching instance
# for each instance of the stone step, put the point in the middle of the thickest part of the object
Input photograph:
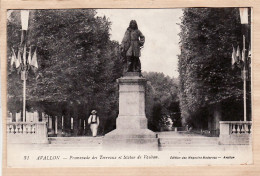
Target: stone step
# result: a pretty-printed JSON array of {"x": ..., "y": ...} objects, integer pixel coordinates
[
  {"x": 75, "y": 145},
  {"x": 73, "y": 148},
  {"x": 76, "y": 140},
  {"x": 193, "y": 148},
  {"x": 189, "y": 140},
  {"x": 232, "y": 148},
  {"x": 187, "y": 145},
  {"x": 168, "y": 134}
]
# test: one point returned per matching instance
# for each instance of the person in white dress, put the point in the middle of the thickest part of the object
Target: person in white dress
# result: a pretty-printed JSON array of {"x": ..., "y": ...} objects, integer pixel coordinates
[{"x": 93, "y": 121}]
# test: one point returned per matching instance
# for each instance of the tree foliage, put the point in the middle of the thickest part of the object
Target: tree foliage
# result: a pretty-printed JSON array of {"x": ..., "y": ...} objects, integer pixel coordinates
[
  {"x": 78, "y": 63},
  {"x": 206, "y": 78},
  {"x": 161, "y": 99}
]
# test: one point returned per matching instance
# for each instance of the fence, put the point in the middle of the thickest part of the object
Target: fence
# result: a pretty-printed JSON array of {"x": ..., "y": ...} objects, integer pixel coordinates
[
  {"x": 27, "y": 132},
  {"x": 235, "y": 132}
]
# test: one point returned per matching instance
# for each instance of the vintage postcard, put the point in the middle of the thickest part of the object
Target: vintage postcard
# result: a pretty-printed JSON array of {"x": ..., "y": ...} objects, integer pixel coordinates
[{"x": 128, "y": 87}]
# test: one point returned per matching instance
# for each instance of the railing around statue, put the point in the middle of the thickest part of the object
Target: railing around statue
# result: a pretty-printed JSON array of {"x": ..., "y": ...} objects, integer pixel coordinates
[
  {"x": 27, "y": 132},
  {"x": 235, "y": 132}
]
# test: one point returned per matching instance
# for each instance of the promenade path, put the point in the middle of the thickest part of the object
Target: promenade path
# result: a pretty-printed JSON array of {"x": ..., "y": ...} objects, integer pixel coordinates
[
  {"x": 176, "y": 141},
  {"x": 171, "y": 143}
]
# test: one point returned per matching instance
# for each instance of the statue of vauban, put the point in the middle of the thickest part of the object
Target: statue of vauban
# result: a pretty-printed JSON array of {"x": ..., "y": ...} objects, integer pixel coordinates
[{"x": 131, "y": 46}]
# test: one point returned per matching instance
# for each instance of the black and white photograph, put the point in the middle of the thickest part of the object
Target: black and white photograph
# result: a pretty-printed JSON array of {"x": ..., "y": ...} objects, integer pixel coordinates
[{"x": 129, "y": 87}]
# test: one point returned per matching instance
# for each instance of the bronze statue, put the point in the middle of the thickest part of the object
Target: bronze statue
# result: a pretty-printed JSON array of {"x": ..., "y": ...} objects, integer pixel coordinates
[{"x": 130, "y": 47}]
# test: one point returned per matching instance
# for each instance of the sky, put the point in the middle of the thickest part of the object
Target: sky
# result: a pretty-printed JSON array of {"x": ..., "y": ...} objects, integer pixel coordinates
[{"x": 160, "y": 28}]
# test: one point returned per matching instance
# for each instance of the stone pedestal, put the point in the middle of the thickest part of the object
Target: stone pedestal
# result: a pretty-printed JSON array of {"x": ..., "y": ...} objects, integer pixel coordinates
[{"x": 131, "y": 131}]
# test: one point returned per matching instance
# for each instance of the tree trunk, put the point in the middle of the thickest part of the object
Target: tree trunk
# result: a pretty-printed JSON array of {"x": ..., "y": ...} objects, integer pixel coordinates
[
  {"x": 67, "y": 124},
  {"x": 81, "y": 126},
  {"x": 40, "y": 116},
  {"x": 13, "y": 116},
  {"x": 53, "y": 118},
  {"x": 75, "y": 120},
  {"x": 215, "y": 115},
  {"x": 59, "y": 130},
  {"x": 22, "y": 117}
]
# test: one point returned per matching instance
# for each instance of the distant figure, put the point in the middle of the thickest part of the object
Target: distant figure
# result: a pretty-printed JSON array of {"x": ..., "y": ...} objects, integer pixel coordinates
[
  {"x": 130, "y": 47},
  {"x": 93, "y": 121},
  {"x": 169, "y": 122}
]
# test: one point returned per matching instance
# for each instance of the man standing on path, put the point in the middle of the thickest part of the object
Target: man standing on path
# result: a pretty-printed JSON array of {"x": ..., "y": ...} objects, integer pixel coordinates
[{"x": 93, "y": 121}]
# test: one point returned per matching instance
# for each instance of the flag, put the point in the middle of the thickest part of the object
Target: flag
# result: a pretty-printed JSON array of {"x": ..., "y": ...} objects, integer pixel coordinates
[
  {"x": 13, "y": 60},
  {"x": 249, "y": 52},
  {"x": 243, "y": 56},
  {"x": 249, "y": 56},
  {"x": 24, "y": 55},
  {"x": 243, "y": 15},
  {"x": 24, "y": 19},
  {"x": 238, "y": 55},
  {"x": 29, "y": 59},
  {"x": 233, "y": 57},
  {"x": 18, "y": 60},
  {"x": 34, "y": 62},
  {"x": 18, "y": 63},
  {"x": 23, "y": 37}
]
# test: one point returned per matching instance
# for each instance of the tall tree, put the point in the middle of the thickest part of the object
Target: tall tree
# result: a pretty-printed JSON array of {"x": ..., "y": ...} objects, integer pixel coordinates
[
  {"x": 206, "y": 78},
  {"x": 161, "y": 99},
  {"x": 78, "y": 63}
]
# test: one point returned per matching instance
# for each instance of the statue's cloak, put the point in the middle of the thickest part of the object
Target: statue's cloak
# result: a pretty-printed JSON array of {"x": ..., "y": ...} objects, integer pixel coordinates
[{"x": 132, "y": 42}]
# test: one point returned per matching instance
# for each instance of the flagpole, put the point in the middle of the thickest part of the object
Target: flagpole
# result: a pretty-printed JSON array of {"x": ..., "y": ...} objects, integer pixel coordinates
[
  {"x": 244, "y": 20},
  {"x": 24, "y": 94},
  {"x": 244, "y": 94},
  {"x": 244, "y": 78},
  {"x": 24, "y": 21}
]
